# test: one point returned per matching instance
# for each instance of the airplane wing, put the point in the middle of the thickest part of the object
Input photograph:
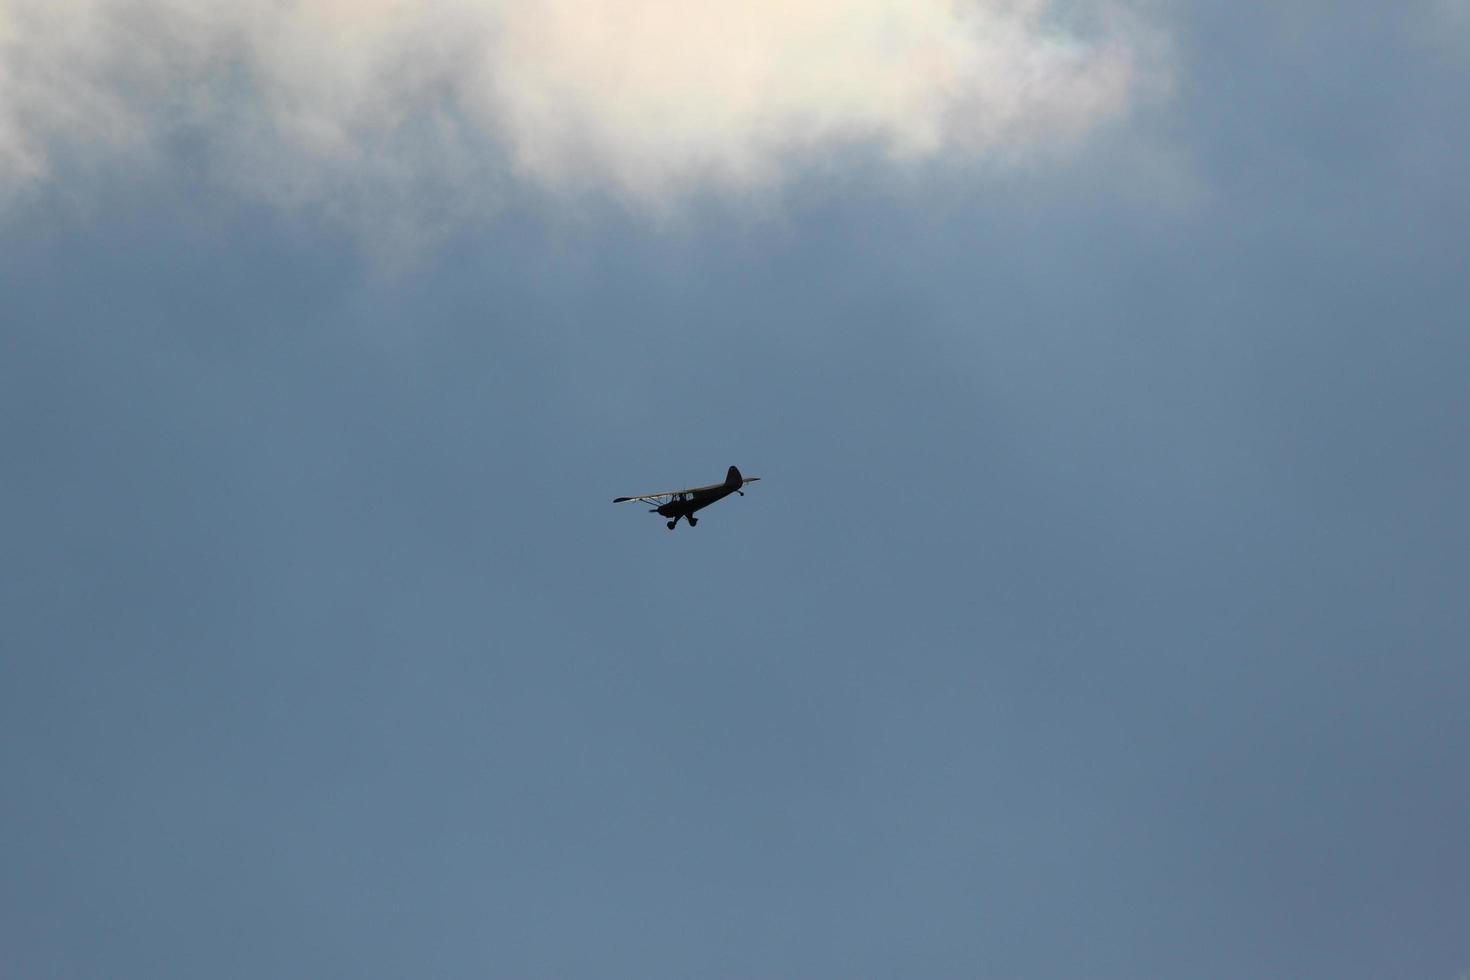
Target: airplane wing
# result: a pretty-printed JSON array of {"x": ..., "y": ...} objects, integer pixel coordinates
[{"x": 669, "y": 494}]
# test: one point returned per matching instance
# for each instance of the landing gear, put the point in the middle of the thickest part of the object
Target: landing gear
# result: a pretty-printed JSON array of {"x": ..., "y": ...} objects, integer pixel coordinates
[
  {"x": 693, "y": 521},
  {"x": 670, "y": 525}
]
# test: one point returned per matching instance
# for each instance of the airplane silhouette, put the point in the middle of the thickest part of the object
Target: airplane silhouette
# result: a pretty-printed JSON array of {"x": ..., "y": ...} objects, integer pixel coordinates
[{"x": 675, "y": 504}]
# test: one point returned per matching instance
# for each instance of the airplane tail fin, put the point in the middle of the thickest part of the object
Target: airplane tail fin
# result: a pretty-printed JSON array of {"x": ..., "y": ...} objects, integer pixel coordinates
[{"x": 734, "y": 479}]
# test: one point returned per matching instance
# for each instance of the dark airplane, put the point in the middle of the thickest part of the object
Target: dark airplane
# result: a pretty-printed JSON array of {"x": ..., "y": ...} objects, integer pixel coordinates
[{"x": 675, "y": 504}]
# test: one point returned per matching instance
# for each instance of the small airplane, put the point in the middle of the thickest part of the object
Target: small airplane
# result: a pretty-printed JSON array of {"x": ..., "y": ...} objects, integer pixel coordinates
[{"x": 675, "y": 504}]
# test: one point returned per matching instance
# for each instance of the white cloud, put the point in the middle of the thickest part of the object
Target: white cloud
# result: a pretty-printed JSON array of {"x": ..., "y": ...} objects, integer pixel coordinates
[
  {"x": 420, "y": 106},
  {"x": 659, "y": 92}
]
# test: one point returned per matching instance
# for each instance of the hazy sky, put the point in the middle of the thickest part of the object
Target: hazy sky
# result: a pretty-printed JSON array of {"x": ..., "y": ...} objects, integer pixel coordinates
[{"x": 1103, "y": 611}]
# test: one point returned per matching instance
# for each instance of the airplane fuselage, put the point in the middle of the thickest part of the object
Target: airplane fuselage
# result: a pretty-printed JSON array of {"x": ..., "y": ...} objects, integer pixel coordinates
[{"x": 697, "y": 499}]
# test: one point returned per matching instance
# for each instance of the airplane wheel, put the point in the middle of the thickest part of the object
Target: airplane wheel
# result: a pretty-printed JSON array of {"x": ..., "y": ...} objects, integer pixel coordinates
[
  {"x": 670, "y": 525},
  {"x": 692, "y": 522}
]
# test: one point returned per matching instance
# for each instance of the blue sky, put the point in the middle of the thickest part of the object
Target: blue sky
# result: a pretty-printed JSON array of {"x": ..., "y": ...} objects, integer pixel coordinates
[{"x": 1101, "y": 610}]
